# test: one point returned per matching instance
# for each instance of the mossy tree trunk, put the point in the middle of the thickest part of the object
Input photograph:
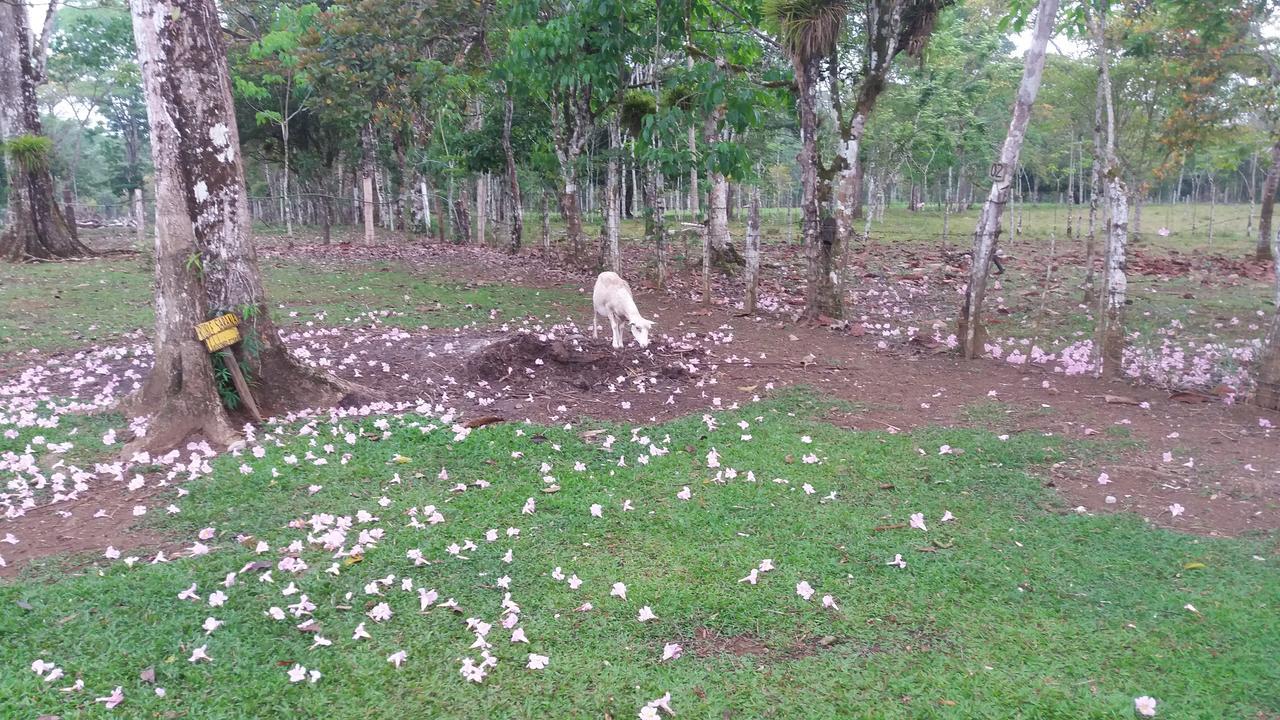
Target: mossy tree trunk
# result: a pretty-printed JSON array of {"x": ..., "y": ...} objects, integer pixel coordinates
[
  {"x": 205, "y": 259},
  {"x": 34, "y": 226}
]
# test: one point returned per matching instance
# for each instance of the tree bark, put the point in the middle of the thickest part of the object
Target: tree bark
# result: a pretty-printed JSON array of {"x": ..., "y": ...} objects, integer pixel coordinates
[
  {"x": 545, "y": 217},
  {"x": 284, "y": 179},
  {"x": 513, "y": 180},
  {"x": 655, "y": 219},
  {"x": 1267, "y": 375},
  {"x": 820, "y": 295},
  {"x": 34, "y": 227},
  {"x": 482, "y": 209},
  {"x": 69, "y": 202},
  {"x": 1265, "y": 248},
  {"x": 205, "y": 259},
  {"x": 753, "y": 251},
  {"x": 718, "y": 246},
  {"x": 612, "y": 210},
  {"x": 367, "y": 150},
  {"x": 970, "y": 331},
  {"x": 1115, "y": 281},
  {"x": 570, "y": 121},
  {"x": 1095, "y": 193}
]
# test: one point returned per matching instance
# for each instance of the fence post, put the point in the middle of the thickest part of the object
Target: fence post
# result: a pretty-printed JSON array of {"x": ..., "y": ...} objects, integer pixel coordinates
[
  {"x": 68, "y": 203},
  {"x": 140, "y": 218}
]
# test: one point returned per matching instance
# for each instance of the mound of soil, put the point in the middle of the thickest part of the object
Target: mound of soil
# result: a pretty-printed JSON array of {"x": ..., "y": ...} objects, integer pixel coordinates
[{"x": 576, "y": 362}]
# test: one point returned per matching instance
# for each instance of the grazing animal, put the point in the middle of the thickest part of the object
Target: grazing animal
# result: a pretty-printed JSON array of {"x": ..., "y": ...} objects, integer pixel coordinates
[{"x": 612, "y": 299}]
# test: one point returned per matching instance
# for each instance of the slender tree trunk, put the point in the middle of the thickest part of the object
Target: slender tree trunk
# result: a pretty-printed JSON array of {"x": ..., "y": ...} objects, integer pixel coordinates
[
  {"x": 513, "y": 180},
  {"x": 630, "y": 177},
  {"x": 440, "y": 210},
  {"x": 1264, "y": 250},
  {"x": 946, "y": 212},
  {"x": 693, "y": 168},
  {"x": 462, "y": 215},
  {"x": 1115, "y": 286},
  {"x": 569, "y": 116},
  {"x": 1071, "y": 190},
  {"x": 1213, "y": 202},
  {"x": 482, "y": 209},
  {"x": 1253, "y": 194},
  {"x": 753, "y": 251},
  {"x": 404, "y": 185},
  {"x": 1095, "y": 196},
  {"x": 34, "y": 227},
  {"x": 545, "y": 214},
  {"x": 139, "y": 218},
  {"x": 284, "y": 187},
  {"x": 612, "y": 209},
  {"x": 970, "y": 331},
  {"x": 655, "y": 219},
  {"x": 1136, "y": 229},
  {"x": 367, "y": 201}
]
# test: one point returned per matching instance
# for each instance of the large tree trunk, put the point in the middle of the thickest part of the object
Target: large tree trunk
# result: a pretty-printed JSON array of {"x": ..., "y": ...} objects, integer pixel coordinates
[
  {"x": 970, "y": 331},
  {"x": 1267, "y": 374},
  {"x": 34, "y": 227},
  {"x": 203, "y": 215},
  {"x": 753, "y": 251},
  {"x": 821, "y": 297},
  {"x": 513, "y": 180},
  {"x": 179, "y": 396},
  {"x": 1264, "y": 251}
]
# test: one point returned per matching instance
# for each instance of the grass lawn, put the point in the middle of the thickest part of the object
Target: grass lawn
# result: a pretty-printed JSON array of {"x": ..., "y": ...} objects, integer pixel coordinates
[
  {"x": 59, "y": 306},
  {"x": 1017, "y": 608}
]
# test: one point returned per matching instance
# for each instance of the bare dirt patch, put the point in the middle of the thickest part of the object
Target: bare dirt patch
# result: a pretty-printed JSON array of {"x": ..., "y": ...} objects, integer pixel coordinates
[
  {"x": 575, "y": 363},
  {"x": 709, "y": 643}
]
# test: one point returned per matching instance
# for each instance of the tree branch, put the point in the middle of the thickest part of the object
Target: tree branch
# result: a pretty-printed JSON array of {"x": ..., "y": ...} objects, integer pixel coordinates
[
  {"x": 750, "y": 26},
  {"x": 40, "y": 52}
]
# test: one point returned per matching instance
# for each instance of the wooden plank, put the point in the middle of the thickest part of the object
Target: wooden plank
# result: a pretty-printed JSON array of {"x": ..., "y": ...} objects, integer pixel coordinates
[
  {"x": 216, "y": 325},
  {"x": 242, "y": 387}
]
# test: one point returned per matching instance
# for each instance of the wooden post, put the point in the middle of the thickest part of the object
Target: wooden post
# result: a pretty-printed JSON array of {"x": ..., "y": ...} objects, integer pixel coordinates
[
  {"x": 218, "y": 335},
  {"x": 242, "y": 387},
  {"x": 140, "y": 219}
]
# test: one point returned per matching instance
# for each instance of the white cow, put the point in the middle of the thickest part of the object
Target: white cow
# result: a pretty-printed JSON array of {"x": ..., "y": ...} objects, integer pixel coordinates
[{"x": 612, "y": 299}]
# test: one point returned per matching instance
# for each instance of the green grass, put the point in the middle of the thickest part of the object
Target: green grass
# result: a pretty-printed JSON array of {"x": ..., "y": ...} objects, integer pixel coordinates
[
  {"x": 1030, "y": 611},
  {"x": 1188, "y": 226},
  {"x": 58, "y": 306}
]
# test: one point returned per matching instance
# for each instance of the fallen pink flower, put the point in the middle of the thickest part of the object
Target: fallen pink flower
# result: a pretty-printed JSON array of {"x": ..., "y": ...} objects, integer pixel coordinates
[{"x": 115, "y": 698}]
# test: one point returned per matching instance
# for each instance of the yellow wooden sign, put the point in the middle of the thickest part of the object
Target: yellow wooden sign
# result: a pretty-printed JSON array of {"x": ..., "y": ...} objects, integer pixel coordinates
[{"x": 219, "y": 332}]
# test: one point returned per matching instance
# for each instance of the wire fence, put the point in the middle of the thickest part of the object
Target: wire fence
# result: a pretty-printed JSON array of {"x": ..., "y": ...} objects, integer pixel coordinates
[{"x": 1162, "y": 224}]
